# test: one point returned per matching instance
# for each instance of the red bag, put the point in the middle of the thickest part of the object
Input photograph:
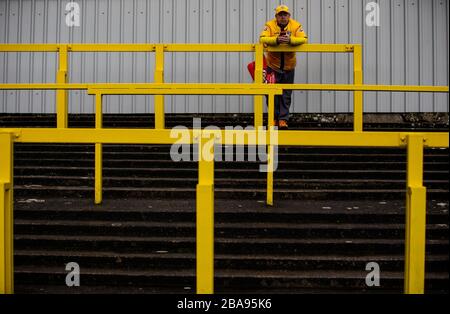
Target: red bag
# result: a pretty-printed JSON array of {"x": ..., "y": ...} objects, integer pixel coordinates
[{"x": 267, "y": 78}]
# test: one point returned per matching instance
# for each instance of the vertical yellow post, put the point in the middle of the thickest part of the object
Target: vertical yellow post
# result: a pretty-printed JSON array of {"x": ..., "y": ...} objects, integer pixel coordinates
[
  {"x": 61, "y": 95},
  {"x": 415, "y": 218},
  {"x": 357, "y": 95},
  {"x": 159, "y": 78},
  {"x": 270, "y": 156},
  {"x": 6, "y": 215},
  {"x": 205, "y": 218},
  {"x": 258, "y": 100},
  {"x": 98, "y": 150}
]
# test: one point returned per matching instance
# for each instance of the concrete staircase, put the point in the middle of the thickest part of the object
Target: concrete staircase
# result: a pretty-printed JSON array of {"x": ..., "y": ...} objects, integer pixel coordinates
[{"x": 336, "y": 209}]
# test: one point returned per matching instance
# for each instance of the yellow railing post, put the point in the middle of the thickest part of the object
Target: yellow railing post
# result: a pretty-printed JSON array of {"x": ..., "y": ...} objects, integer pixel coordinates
[
  {"x": 62, "y": 108},
  {"x": 159, "y": 78},
  {"x": 415, "y": 217},
  {"x": 357, "y": 95},
  {"x": 6, "y": 214},
  {"x": 270, "y": 155},
  {"x": 205, "y": 218},
  {"x": 98, "y": 150},
  {"x": 258, "y": 100}
]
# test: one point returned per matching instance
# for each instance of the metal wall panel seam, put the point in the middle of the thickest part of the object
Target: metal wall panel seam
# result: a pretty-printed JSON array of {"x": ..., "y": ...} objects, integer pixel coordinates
[
  {"x": 3, "y": 56},
  {"x": 433, "y": 75},
  {"x": 133, "y": 57},
  {"x": 321, "y": 57},
  {"x": 121, "y": 54},
  {"x": 108, "y": 59},
  {"x": 58, "y": 40},
  {"x": 213, "y": 32},
  {"x": 419, "y": 39},
  {"x": 376, "y": 52},
  {"x": 201, "y": 31},
  {"x": 19, "y": 55},
  {"x": 391, "y": 38},
  {"x": 227, "y": 34},
  {"x": 307, "y": 55},
  {"x": 31, "y": 61},
  {"x": 336, "y": 21},
  {"x": 96, "y": 27},
  {"x": 146, "y": 59},
  {"x": 6, "y": 55},
  {"x": 33, "y": 31},
  {"x": 440, "y": 62},
  {"x": 44, "y": 70},
  {"x": 405, "y": 51}
]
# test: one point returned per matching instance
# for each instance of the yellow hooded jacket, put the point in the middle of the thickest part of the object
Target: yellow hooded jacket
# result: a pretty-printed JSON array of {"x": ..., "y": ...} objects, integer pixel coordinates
[{"x": 282, "y": 61}]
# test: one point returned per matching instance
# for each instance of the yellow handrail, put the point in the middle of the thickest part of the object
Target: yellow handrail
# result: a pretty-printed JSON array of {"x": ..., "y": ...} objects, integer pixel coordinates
[
  {"x": 159, "y": 49},
  {"x": 413, "y": 142}
]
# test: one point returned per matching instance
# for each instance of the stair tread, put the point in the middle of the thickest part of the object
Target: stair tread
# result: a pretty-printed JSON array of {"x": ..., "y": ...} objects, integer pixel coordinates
[
  {"x": 217, "y": 189},
  {"x": 219, "y": 239},
  {"x": 223, "y": 206},
  {"x": 231, "y": 170},
  {"x": 252, "y": 257},
  {"x": 328, "y": 180},
  {"x": 248, "y": 225},
  {"x": 227, "y": 273}
]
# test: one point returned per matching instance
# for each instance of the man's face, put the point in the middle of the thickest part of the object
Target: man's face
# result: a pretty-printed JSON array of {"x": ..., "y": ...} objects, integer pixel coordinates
[{"x": 283, "y": 18}]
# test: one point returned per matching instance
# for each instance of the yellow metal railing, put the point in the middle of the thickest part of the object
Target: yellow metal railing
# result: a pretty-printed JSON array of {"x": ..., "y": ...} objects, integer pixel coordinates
[
  {"x": 413, "y": 142},
  {"x": 159, "y": 50}
]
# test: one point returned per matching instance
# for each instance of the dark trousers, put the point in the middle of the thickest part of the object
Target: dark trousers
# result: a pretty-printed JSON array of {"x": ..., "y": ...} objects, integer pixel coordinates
[{"x": 283, "y": 102}]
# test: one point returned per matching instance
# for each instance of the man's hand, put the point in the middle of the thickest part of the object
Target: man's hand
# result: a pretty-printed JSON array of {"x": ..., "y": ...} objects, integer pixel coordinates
[{"x": 283, "y": 39}]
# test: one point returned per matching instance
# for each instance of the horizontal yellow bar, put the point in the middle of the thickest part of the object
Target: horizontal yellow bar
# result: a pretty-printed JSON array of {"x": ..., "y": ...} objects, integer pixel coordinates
[
  {"x": 336, "y": 87},
  {"x": 143, "y": 47},
  {"x": 357, "y": 139},
  {"x": 351, "y": 87},
  {"x": 226, "y": 137},
  {"x": 74, "y": 86},
  {"x": 249, "y": 86},
  {"x": 111, "y": 47},
  {"x": 43, "y": 86},
  {"x": 101, "y": 136},
  {"x": 314, "y": 48},
  {"x": 209, "y": 47},
  {"x": 29, "y": 47},
  {"x": 186, "y": 91},
  {"x": 131, "y": 47},
  {"x": 80, "y": 86},
  {"x": 79, "y": 47}
]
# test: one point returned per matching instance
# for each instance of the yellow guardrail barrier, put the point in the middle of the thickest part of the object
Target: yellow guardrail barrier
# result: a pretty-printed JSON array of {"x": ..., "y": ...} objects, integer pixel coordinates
[{"x": 413, "y": 142}]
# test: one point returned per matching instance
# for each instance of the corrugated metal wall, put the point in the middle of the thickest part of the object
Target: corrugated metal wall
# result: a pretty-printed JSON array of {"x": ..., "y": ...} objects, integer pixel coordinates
[{"x": 409, "y": 47}]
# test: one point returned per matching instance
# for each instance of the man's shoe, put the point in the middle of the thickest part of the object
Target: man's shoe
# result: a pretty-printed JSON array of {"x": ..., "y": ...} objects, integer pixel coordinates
[{"x": 282, "y": 125}]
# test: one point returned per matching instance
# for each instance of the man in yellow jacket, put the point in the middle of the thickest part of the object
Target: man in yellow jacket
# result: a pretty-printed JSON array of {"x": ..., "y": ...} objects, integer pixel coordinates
[{"x": 282, "y": 30}]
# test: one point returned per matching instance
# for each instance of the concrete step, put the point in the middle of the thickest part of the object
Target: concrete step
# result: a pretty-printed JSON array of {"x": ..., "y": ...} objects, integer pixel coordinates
[
  {"x": 223, "y": 278},
  {"x": 304, "y": 150},
  {"x": 287, "y": 184},
  {"x": 223, "y": 245},
  {"x": 377, "y": 122},
  {"x": 257, "y": 248},
  {"x": 183, "y": 172},
  {"x": 297, "y": 165},
  {"x": 167, "y": 260},
  {"x": 287, "y": 157},
  {"x": 240, "y": 211},
  {"x": 220, "y": 193},
  {"x": 255, "y": 229}
]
